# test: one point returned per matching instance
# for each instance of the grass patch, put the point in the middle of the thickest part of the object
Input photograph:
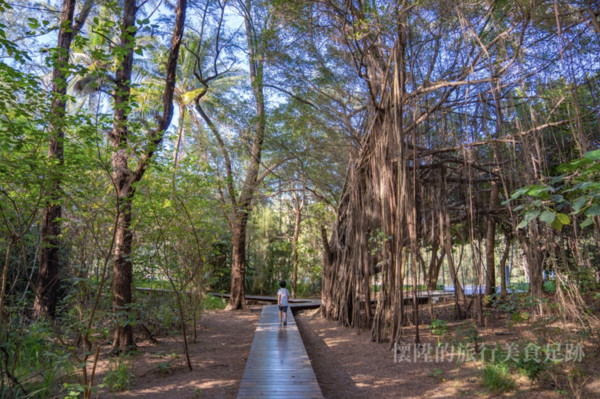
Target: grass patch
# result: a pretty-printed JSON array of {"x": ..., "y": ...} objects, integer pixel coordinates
[{"x": 497, "y": 378}]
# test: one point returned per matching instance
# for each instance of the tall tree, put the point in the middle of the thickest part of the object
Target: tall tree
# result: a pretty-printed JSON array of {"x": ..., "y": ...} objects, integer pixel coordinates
[
  {"x": 124, "y": 178},
  {"x": 242, "y": 206},
  {"x": 239, "y": 206},
  {"x": 46, "y": 296},
  {"x": 441, "y": 135}
]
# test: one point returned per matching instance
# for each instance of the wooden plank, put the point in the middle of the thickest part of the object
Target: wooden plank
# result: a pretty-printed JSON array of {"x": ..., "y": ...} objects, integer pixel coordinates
[{"x": 278, "y": 365}]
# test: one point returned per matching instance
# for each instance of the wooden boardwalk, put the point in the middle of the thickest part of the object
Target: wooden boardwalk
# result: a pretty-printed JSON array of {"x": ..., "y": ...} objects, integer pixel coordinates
[
  {"x": 278, "y": 366},
  {"x": 296, "y": 303}
]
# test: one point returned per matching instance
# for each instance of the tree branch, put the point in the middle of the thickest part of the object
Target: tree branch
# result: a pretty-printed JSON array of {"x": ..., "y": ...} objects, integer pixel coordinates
[{"x": 156, "y": 136}]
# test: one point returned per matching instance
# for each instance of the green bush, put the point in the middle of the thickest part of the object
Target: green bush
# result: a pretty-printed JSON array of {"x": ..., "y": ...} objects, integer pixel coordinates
[
  {"x": 531, "y": 368},
  {"x": 530, "y": 360},
  {"x": 34, "y": 360},
  {"x": 119, "y": 377},
  {"x": 212, "y": 302},
  {"x": 468, "y": 332},
  {"x": 497, "y": 378},
  {"x": 519, "y": 286},
  {"x": 550, "y": 286},
  {"x": 158, "y": 312},
  {"x": 305, "y": 290}
]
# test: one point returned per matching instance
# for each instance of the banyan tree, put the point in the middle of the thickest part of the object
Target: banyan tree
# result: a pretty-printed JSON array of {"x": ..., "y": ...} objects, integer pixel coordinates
[{"x": 466, "y": 102}]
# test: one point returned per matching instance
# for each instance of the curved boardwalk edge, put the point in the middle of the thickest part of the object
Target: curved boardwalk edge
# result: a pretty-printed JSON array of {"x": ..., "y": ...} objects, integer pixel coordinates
[{"x": 278, "y": 365}]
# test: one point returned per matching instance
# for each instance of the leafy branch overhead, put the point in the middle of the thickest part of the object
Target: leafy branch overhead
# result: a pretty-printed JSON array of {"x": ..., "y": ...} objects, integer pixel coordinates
[{"x": 573, "y": 195}]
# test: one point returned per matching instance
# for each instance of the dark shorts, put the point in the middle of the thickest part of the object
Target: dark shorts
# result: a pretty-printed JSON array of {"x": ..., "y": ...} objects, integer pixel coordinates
[{"x": 283, "y": 308}]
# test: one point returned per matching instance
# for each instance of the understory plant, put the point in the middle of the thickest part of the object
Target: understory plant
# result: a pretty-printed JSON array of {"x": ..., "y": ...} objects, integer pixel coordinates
[
  {"x": 119, "y": 377},
  {"x": 31, "y": 365},
  {"x": 497, "y": 377}
]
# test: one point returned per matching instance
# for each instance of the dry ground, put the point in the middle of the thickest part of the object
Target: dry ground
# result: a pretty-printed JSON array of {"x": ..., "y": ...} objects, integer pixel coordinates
[
  {"x": 218, "y": 360},
  {"x": 346, "y": 363}
]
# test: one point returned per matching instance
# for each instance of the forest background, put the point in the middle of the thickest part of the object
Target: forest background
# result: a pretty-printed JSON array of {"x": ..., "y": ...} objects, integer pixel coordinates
[{"x": 359, "y": 149}]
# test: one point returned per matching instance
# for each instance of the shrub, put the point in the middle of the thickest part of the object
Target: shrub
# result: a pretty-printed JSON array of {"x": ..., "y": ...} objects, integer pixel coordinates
[
  {"x": 34, "y": 360},
  {"x": 439, "y": 328},
  {"x": 119, "y": 376},
  {"x": 497, "y": 378},
  {"x": 550, "y": 286},
  {"x": 213, "y": 302}
]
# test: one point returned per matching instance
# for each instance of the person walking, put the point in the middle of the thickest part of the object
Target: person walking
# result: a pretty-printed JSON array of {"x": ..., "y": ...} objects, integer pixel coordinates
[{"x": 282, "y": 301}]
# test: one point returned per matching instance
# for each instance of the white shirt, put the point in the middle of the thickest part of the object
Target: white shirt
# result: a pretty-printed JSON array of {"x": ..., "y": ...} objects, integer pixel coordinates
[{"x": 285, "y": 294}]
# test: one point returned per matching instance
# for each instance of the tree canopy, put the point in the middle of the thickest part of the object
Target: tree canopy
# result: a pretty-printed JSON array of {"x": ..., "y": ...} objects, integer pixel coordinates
[{"x": 362, "y": 149}]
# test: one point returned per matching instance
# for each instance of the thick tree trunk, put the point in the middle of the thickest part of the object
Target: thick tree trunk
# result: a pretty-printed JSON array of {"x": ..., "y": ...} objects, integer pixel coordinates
[
  {"x": 123, "y": 277},
  {"x": 490, "y": 242},
  {"x": 46, "y": 296},
  {"x": 122, "y": 179},
  {"x": 434, "y": 272},
  {"x": 435, "y": 266}
]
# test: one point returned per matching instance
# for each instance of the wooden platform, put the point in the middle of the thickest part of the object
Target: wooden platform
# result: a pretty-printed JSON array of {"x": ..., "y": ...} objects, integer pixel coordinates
[
  {"x": 278, "y": 366},
  {"x": 296, "y": 303}
]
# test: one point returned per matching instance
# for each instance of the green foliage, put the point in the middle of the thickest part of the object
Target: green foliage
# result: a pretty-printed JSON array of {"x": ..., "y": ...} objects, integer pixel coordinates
[
  {"x": 34, "y": 360},
  {"x": 158, "y": 312},
  {"x": 180, "y": 234},
  {"x": 165, "y": 368},
  {"x": 152, "y": 284},
  {"x": 529, "y": 359},
  {"x": 530, "y": 367},
  {"x": 576, "y": 192},
  {"x": 440, "y": 328},
  {"x": 468, "y": 332},
  {"x": 519, "y": 286},
  {"x": 584, "y": 278},
  {"x": 437, "y": 373},
  {"x": 74, "y": 391},
  {"x": 119, "y": 376},
  {"x": 377, "y": 240},
  {"x": 23, "y": 154},
  {"x": 270, "y": 259},
  {"x": 519, "y": 306},
  {"x": 550, "y": 286},
  {"x": 7, "y": 45},
  {"x": 519, "y": 317},
  {"x": 497, "y": 378},
  {"x": 212, "y": 302},
  {"x": 270, "y": 249},
  {"x": 307, "y": 289}
]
